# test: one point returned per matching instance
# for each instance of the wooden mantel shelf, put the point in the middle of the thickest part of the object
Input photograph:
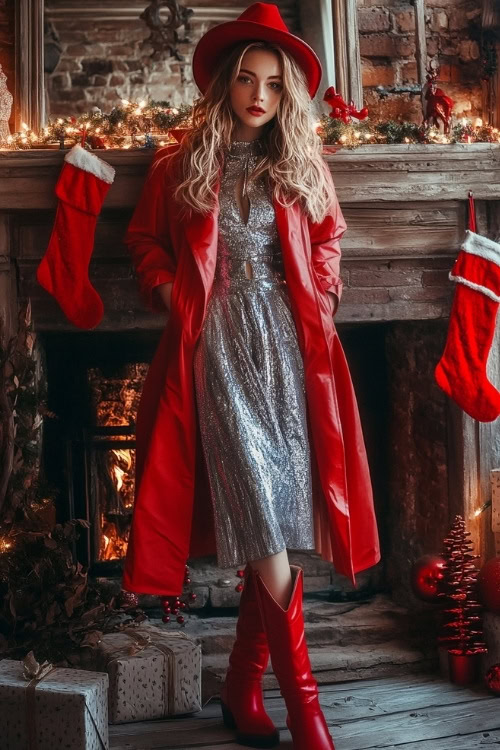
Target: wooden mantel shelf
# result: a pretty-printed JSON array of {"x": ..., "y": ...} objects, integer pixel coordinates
[{"x": 371, "y": 173}]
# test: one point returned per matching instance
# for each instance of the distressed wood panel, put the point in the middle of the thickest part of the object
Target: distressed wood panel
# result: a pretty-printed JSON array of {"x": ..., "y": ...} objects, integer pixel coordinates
[
  {"x": 34, "y": 233},
  {"x": 370, "y": 173},
  {"x": 374, "y": 231},
  {"x": 401, "y": 274},
  {"x": 395, "y": 229}
]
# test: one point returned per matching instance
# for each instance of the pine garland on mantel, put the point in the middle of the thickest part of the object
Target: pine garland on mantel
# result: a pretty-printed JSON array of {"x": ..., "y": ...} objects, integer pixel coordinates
[
  {"x": 142, "y": 125},
  {"x": 350, "y": 135}
]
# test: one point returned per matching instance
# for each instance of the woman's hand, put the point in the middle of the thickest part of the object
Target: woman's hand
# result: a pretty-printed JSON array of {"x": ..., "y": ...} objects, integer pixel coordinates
[
  {"x": 334, "y": 302},
  {"x": 164, "y": 291}
]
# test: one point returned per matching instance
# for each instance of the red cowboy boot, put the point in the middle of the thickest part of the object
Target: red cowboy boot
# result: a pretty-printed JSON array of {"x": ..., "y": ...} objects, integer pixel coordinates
[
  {"x": 291, "y": 665},
  {"x": 241, "y": 694}
]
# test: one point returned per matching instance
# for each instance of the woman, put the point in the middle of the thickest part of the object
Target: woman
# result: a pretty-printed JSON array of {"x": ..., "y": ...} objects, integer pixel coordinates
[{"x": 248, "y": 433}]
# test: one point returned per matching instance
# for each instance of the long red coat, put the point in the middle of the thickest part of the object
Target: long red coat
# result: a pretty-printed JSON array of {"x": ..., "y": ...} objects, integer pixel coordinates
[{"x": 173, "y": 519}]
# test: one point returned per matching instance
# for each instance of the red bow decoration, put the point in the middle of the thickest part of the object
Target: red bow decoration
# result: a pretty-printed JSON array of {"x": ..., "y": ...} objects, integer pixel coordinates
[
  {"x": 341, "y": 110},
  {"x": 92, "y": 139}
]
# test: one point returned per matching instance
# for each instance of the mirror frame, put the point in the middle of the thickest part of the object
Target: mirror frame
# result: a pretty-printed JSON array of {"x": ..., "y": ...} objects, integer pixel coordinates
[
  {"x": 29, "y": 75},
  {"x": 347, "y": 55},
  {"x": 29, "y": 53}
]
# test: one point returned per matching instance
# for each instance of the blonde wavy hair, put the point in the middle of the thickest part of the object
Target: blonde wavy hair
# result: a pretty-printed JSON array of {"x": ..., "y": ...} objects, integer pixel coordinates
[{"x": 292, "y": 159}]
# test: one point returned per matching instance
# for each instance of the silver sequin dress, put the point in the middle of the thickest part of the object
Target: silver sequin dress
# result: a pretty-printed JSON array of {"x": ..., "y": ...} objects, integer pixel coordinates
[{"x": 249, "y": 384}]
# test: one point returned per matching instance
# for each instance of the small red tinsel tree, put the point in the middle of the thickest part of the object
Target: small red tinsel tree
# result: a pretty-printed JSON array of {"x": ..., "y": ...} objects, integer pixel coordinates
[{"x": 461, "y": 629}]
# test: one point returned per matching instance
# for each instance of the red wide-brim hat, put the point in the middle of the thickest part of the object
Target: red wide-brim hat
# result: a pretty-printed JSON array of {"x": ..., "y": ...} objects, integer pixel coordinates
[{"x": 259, "y": 22}]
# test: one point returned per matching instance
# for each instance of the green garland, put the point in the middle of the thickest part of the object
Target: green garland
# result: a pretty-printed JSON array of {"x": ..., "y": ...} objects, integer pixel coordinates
[
  {"x": 351, "y": 135},
  {"x": 131, "y": 125},
  {"x": 148, "y": 125}
]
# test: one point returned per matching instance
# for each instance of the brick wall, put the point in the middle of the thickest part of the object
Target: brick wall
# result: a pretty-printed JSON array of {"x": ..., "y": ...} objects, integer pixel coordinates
[
  {"x": 100, "y": 66},
  {"x": 7, "y": 46},
  {"x": 387, "y": 45}
]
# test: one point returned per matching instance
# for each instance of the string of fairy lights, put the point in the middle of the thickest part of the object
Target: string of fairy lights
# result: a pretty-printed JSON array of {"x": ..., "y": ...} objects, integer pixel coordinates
[
  {"x": 130, "y": 125},
  {"x": 352, "y": 135},
  {"x": 139, "y": 125}
]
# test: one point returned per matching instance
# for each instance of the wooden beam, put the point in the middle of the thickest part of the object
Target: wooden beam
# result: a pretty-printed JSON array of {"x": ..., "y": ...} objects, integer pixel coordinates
[
  {"x": 29, "y": 88},
  {"x": 355, "y": 92},
  {"x": 489, "y": 432},
  {"x": 490, "y": 23},
  {"x": 347, "y": 55},
  {"x": 421, "y": 46},
  {"x": 474, "y": 447}
]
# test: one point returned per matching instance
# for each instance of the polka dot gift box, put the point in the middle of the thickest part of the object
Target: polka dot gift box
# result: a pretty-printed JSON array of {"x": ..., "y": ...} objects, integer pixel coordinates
[
  {"x": 45, "y": 707},
  {"x": 153, "y": 672}
]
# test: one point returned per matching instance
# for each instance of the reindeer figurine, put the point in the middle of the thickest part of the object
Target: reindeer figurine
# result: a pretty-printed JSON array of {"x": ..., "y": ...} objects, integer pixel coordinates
[
  {"x": 341, "y": 110},
  {"x": 439, "y": 106}
]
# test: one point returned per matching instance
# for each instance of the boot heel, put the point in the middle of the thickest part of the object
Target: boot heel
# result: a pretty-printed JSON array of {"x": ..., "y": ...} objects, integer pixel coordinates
[{"x": 227, "y": 716}]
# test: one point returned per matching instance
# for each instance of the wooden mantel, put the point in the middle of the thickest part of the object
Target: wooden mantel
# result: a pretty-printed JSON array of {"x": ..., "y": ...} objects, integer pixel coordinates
[{"x": 397, "y": 172}]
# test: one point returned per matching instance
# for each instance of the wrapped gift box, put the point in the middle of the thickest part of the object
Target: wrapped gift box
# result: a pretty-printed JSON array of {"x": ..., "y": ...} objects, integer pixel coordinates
[
  {"x": 153, "y": 673},
  {"x": 63, "y": 708}
]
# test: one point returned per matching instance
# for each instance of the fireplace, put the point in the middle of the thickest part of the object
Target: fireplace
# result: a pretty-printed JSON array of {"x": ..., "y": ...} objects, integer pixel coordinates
[
  {"x": 428, "y": 460},
  {"x": 94, "y": 385},
  {"x": 94, "y": 382}
]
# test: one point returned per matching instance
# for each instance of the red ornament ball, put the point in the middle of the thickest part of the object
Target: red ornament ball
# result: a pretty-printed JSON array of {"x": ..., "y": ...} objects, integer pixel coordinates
[
  {"x": 426, "y": 576},
  {"x": 238, "y": 587},
  {"x": 492, "y": 679},
  {"x": 488, "y": 583},
  {"x": 165, "y": 618},
  {"x": 180, "y": 619},
  {"x": 240, "y": 573}
]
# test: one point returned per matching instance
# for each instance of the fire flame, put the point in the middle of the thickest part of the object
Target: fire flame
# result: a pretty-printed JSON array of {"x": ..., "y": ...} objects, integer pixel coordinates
[{"x": 125, "y": 457}]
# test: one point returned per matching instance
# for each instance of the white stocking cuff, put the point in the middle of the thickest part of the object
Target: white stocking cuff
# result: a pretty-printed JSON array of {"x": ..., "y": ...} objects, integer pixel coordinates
[{"x": 89, "y": 162}]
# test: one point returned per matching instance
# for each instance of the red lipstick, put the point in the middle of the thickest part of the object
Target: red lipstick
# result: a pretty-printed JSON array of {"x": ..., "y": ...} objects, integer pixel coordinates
[{"x": 256, "y": 111}]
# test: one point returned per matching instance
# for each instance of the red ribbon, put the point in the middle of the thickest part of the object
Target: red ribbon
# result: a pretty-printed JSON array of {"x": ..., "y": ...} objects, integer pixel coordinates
[{"x": 472, "y": 213}]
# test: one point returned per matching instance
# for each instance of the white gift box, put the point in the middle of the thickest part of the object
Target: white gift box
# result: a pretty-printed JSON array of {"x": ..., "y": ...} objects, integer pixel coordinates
[
  {"x": 66, "y": 708},
  {"x": 153, "y": 673}
]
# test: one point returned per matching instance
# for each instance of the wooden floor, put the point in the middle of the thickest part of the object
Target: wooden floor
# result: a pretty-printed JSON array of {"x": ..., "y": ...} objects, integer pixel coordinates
[{"x": 418, "y": 712}]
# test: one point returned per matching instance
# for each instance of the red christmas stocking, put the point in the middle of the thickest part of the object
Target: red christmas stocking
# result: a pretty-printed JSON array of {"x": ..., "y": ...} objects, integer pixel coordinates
[
  {"x": 461, "y": 371},
  {"x": 63, "y": 272}
]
